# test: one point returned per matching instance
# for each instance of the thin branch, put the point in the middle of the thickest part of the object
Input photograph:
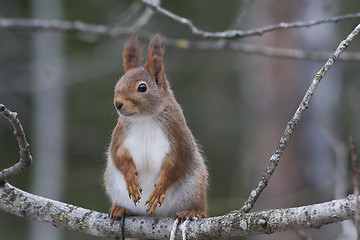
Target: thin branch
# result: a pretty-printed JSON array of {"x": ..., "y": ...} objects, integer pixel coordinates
[
  {"x": 24, "y": 204},
  {"x": 25, "y": 157},
  {"x": 290, "y": 53},
  {"x": 267, "y": 51},
  {"x": 76, "y": 27},
  {"x": 235, "y": 34},
  {"x": 102, "y": 31},
  {"x": 274, "y": 160}
]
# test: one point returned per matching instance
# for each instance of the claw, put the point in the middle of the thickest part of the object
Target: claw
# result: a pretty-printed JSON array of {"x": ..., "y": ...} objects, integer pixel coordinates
[
  {"x": 133, "y": 187},
  {"x": 116, "y": 212},
  {"x": 190, "y": 215}
]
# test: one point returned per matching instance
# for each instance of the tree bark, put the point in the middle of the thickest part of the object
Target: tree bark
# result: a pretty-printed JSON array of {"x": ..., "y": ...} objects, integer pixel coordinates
[{"x": 58, "y": 214}]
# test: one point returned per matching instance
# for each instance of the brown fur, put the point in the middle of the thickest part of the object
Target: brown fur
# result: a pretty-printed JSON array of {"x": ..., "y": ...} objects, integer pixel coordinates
[
  {"x": 124, "y": 164},
  {"x": 154, "y": 64},
  {"x": 159, "y": 99},
  {"x": 132, "y": 53}
]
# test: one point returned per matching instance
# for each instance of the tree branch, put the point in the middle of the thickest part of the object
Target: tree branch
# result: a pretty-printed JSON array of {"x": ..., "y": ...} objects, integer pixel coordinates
[
  {"x": 102, "y": 31},
  {"x": 25, "y": 157},
  {"x": 235, "y": 34},
  {"x": 24, "y": 204},
  {"x": 71, "y": 217},
  {"x": 274, "y": 160},
  {"x": 76, "y": 27},
  {"x": 290, "y": 53},
  {"x": 261, "y": 50}
]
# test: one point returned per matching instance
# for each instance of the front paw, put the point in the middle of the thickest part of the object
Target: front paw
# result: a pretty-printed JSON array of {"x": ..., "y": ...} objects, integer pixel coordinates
[
  {"x": 155, "y": 198},
  {"x": 133, "y": 187}
]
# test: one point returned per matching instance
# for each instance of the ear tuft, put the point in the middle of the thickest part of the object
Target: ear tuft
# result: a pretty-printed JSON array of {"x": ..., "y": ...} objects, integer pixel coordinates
[
  {"x": 154, "y": 64},
  {"x": 132, "y": 53}
]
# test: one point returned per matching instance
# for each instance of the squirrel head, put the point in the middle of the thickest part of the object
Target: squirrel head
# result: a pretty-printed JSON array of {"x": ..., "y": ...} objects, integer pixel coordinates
[{"x": 141, "y": 90}]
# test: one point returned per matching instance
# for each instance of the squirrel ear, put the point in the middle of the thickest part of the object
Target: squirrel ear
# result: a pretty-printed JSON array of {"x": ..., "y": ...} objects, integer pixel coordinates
[
  {"x": 154, "y": 65},
  {"x": 132, "y": 53}
]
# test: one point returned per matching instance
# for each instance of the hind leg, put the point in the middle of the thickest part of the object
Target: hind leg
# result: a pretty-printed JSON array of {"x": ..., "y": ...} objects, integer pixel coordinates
[
  {"x": 116, "y": 212},
  {"x": 183, "y": 215}
]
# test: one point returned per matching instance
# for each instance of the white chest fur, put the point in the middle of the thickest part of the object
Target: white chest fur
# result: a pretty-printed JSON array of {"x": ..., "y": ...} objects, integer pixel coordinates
[{"x": 148, "y": 145}]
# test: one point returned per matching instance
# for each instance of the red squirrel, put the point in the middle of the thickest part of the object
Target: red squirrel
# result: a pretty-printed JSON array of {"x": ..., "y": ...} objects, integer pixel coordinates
[{"x": 153, "y": 154}]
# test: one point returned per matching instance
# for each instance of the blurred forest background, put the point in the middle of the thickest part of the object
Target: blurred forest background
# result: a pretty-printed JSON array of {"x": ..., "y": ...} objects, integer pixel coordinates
[{"x": 236, "y": 104}]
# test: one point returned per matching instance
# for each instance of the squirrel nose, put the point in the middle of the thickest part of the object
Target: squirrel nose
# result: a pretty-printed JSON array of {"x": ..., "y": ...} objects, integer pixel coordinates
[{"x": 118, "y": 105}]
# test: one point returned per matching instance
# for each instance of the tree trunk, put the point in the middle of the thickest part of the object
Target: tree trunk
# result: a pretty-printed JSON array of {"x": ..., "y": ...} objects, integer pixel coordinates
[{"x": 48, "y": 123}]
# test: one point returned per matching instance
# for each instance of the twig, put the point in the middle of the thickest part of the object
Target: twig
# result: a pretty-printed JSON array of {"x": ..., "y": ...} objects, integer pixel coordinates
[
  {"x": 235, "y": 34},
  {"x": 25, "y": 157},
  {"x": 290, "y": 52},
  {"x": 268, "y": 51},
  {"x": 356, "y": 173},
  {"x": 102, "y": 31},
  {"x": 24, "y": 204},
  {"x": 274, "y": 160},
  {"x": 76, "y": 27}
]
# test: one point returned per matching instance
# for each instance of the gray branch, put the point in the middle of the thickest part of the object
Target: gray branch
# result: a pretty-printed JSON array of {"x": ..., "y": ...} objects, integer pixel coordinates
[
  {"x": 24, "y": 204},
  {"x": 261, "y": 50},
  {"x": 25, "y": 157},
  {"x": 304, "y": 104},
  {"x": 235, "y": 34},
  {"x": 236, "y": 223},
  {"x": 76, "y": 27},
  {"x": 102, "y": 31}
]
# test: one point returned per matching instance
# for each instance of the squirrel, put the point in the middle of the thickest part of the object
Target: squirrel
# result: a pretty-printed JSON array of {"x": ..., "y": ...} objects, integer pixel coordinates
[{"x": 152, "y": 151}]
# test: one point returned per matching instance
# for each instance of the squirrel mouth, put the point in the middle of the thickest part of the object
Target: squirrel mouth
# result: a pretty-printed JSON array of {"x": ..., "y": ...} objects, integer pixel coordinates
[{"x": 126, "y": 114}]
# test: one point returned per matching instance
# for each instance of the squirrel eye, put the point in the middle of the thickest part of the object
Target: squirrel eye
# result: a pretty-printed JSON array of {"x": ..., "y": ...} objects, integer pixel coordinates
[{"x": 142, "y": 87}]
